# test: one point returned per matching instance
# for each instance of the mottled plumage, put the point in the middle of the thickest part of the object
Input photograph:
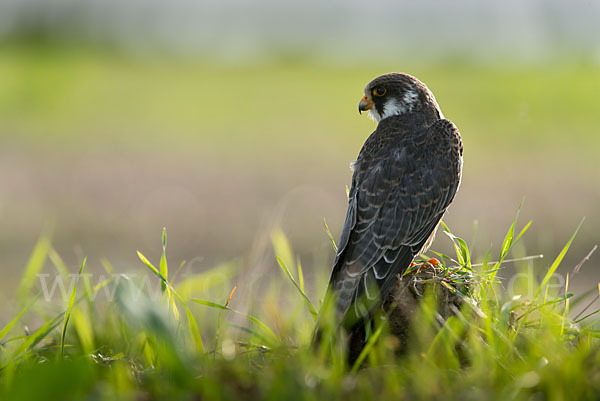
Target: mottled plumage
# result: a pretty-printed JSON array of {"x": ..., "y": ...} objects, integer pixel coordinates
[{"x": 405, "y": 177}]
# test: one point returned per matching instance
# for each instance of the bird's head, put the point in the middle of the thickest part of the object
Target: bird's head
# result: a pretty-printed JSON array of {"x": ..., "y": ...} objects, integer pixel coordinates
[{"x": 396, "y": 94}]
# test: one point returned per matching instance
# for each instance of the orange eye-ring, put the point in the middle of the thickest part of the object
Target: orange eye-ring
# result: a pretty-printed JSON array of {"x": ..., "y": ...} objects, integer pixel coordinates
[{"x": 379, "y": 91}]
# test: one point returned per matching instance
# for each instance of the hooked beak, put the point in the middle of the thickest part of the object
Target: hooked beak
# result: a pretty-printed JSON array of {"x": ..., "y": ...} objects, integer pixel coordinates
[{"x": 365, "y": 104}]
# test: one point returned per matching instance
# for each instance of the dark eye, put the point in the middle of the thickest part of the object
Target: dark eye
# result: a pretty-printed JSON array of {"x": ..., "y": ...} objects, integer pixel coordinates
[{"x": 379, "y": 91}]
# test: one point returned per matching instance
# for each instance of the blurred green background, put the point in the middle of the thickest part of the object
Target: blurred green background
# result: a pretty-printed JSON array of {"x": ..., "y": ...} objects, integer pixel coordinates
[{"x": 224, "y": 121}]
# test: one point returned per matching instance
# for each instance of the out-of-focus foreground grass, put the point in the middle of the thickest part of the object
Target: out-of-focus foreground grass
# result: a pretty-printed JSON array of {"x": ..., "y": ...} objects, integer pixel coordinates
[
  {"x": 183, "y": 339},
  {"x": 112, "y": 147}
]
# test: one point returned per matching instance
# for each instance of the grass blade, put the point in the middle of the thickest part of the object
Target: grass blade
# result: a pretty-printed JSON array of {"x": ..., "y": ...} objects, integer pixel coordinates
[
  {"x": 193, "y": 330},
  {"x": 523, "y": 231},
  {"x": 59, "y": 264},
  {"x": 70, "y": 308},
  {"x": 284, "y": 255},
  {"x": 37, "y": 336},
  {"x": 557, "y": 261},
  {"x": 6, "y": 329},
  {"x": 34, "y": 266},
  {"x": 335, "y": 248},
  {"x": 282, "y": 247},
  {"x": 249, "y": 317},
  {"x": 287, "y": 272},
  {"x": 150, "y": 266},
  {"x": 164, "y": 270},
  {"x": 300, "y": 274},
  {"x": 367, "y": 349}
]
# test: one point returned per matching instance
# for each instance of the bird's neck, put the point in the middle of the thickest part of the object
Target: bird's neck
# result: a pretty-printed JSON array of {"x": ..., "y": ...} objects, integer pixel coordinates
[{"x": 416, "y": 117}]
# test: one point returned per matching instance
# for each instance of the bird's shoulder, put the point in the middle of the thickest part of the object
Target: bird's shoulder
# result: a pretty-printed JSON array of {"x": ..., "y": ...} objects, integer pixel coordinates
[
  {"x": 402, "y": 140},
  {"x": 390, "y": 134},
  {"x": 448, "y": 133}
]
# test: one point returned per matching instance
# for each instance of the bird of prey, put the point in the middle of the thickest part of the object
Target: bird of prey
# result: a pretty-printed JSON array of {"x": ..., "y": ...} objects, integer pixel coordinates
[{"x": 404, "y": 179}]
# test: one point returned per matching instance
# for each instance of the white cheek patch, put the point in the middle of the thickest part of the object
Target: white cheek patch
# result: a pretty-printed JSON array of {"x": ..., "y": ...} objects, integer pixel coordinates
[
  {"x": 374, "y": 114},
  {"x": 393, "y": 107}
]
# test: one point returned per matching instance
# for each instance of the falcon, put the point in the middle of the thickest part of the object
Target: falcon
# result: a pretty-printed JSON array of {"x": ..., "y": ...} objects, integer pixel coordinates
[{"x": 405, "y": 177}]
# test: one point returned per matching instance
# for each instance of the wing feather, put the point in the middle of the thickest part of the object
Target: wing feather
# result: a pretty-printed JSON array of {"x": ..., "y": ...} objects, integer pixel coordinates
[{"x": 404, "y": 179}]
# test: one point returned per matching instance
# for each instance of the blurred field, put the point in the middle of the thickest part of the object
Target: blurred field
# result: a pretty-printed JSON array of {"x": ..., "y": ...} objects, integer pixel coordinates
[{"x": 104, "y": 149}]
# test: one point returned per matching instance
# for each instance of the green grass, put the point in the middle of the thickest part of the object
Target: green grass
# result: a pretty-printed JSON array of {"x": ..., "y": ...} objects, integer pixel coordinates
[
  {"x": 499, "y": 346},
  {"x": 75, "y": 97}
]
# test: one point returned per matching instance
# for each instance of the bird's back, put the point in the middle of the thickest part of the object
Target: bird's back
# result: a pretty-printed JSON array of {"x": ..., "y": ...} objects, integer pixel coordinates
[{"x": 406, "y": 175}]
